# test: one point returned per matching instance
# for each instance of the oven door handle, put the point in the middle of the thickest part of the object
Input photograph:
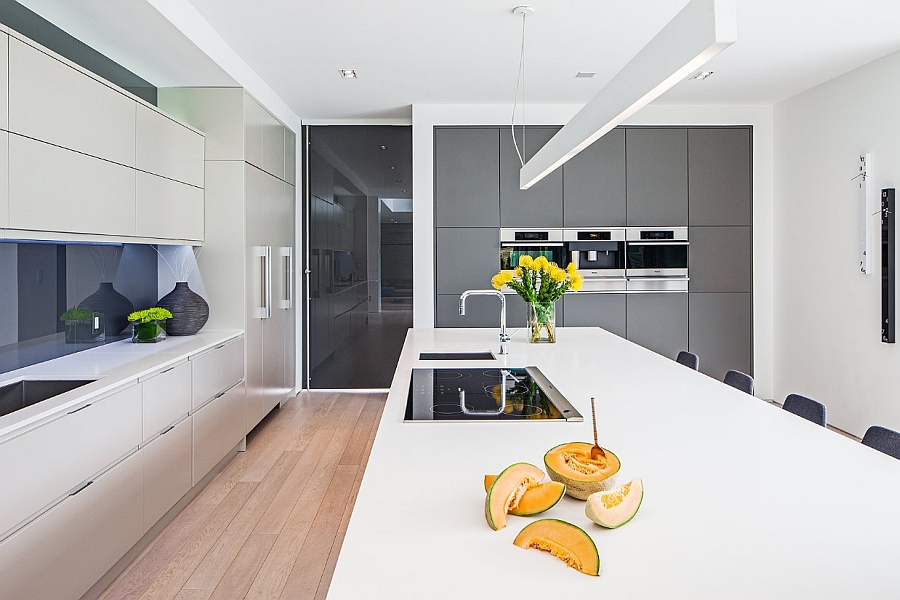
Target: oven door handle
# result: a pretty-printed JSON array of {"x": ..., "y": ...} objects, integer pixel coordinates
[
  {"x": 540, "y": 244},
  {"x": 658, "y": 242},
  {"x": 669, "y": 278}
]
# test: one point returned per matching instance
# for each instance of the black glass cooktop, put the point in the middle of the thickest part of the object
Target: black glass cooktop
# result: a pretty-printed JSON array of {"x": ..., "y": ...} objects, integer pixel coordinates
[{"x": 479, "y": 394}]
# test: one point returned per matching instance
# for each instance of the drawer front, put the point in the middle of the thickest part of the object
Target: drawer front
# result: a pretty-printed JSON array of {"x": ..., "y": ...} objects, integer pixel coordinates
[
  {"x": 217, "y": 370},
  {"x": 168, "y": 209},
  {"x": 168, "y": 148},
  {"x": 42, "y": 465},
  {"x": 218, "y": 427},
  {"x": 167, "y": 471},
  {"x": 167, "y": 398}
]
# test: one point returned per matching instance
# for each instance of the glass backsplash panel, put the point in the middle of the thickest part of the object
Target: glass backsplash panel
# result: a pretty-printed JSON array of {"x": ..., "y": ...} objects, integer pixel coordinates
[{"x": 57, "y": 299}]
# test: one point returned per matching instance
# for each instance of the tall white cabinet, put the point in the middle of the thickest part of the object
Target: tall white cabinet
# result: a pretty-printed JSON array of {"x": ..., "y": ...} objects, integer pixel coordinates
[{"x": 247, "y": 264}]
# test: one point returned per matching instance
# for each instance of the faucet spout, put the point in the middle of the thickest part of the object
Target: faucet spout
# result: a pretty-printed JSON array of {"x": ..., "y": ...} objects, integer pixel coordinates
[{"x": 504, "y": 338}]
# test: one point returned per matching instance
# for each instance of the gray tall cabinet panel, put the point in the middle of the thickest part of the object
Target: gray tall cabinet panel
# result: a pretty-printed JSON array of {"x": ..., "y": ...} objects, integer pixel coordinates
[
  {"x": 596, "y": 310},
  {"x": 466, "y": 177},
  {"x": 720, "y": 332},
  {"x": 720, "y": 176},
  {"x": 656, "y": 176},
  {"x": 720, "y": 259},
  {"x": 467, "y": 258},
  {"x": 542, "y": 204},
  {"x": 658, "y": 322},
  {"x": 594, "y": 184}
]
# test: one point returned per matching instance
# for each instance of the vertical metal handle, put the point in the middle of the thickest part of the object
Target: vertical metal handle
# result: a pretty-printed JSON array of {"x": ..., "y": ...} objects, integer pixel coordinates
[
  {"x": 264, "y": 307},
  {"x": 268, "y": 287},
  {"x": 287, "y": 299}
]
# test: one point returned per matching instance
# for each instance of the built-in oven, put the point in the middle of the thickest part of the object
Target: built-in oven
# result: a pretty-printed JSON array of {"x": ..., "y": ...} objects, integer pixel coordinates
[
  {"x": 533, "y": 242},
  {"x": 656, "y": 258},
  {"x": 599, "y": 255}
]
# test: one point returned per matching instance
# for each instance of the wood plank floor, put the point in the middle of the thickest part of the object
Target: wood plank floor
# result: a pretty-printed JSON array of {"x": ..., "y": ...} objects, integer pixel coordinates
[{"x": 270, "y": 525}]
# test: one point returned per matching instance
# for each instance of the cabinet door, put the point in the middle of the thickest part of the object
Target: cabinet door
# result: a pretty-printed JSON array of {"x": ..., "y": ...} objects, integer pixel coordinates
[
  {"x": 167, "y": 471},
  {"x": 596, "y": 310},
  {"x": 56, "y": 103},
  {"x": 254, "y": 123},
  {"x": 466, "y": 258},
  {"x": 215, "y": 371},
  {"x": 721, "y": 332},
  {"x": 542, "y": 204},
  {"x": 168, "y": 209},
  {"x": 720, "y": 259},
  {"x": 467, "y": 177},
  {"x": 273, "y": 146},
  {"x": 719, "y": 164},
  {"x": 4, "y": 81},
  {"x": 168, "y": 148},
  {"x": 4, "y": 179},
  {"x": 290, "y": 156},
  {"x": 83, "y": 195},
  {"x": 66, "y": 452},
  {"x": 218, "y": 427},
  {"x": 167, "y": 398},
  {"x": 594, "y": 184},
  {"x": 658, "y": 321},
  {"x": 656, "y": 176},
  {"x": 256, "y": 238}
]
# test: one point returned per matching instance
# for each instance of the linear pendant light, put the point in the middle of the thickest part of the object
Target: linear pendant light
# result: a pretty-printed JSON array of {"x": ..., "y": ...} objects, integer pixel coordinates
[{"x": 700, "y": 31}]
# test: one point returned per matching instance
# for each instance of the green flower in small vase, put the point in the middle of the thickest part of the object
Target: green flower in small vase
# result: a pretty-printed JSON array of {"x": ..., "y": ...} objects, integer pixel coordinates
[{"x": 149, "y": 324}]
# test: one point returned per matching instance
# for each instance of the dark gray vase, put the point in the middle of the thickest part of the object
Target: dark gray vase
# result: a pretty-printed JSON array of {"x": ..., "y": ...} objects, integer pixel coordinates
[
  {"x": 189, "y": 310},
  {"x": 114, "y": 306}
]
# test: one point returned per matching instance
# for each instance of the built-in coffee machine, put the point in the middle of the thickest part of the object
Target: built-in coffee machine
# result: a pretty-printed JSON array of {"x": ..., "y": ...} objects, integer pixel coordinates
[{"x": 599, "y": 255}]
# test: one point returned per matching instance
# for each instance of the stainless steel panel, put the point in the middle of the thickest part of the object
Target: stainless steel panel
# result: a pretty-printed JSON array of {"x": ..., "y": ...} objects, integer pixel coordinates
[{"x": 658, "y": 284}]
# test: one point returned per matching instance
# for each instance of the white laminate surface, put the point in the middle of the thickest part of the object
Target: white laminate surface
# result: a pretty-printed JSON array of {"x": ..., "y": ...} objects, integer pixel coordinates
[
  {"x": 113, "y": 366},
  {"x": 742, "y": 499}
]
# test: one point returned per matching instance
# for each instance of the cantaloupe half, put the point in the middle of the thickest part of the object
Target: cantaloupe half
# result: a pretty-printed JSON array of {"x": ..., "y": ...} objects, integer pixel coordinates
[
  {"x": 563, "y": 540},
  {"x": 537, "y": 499},
  {"x": 572, "y": 465},
  {"x": 616, "y": 507},
  {"x": 507, "y": 490}
]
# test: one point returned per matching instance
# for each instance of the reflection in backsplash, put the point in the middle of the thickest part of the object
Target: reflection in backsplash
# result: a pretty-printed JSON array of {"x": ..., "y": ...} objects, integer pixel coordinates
[{"x": 57, "y": 299}]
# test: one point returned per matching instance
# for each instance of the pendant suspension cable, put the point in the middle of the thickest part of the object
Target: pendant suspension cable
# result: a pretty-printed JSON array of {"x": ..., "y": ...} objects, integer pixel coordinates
[{"x": 520, "y": 82}]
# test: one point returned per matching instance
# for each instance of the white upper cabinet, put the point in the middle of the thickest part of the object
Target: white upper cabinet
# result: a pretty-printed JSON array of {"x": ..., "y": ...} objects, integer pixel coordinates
[
  {"x": 4, "y": 179},
  {"x": 4, "y": 81},
  {"x": 168, "y": 209},
  {"x": 57, "y": 103},
  {"x": 290, "y": 156},
  {"x": 168, "y": 148},
  {"x": 254, "y": 121},
  {"x": 273, "y": 147}
]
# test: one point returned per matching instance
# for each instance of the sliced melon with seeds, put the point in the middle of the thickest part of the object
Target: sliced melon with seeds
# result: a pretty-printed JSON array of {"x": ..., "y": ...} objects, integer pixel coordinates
[
  {"x": 616, "y": 507},
  {"x": 573, "y": 465},
  {"x": 507, "y": 490},
  {"x": 563, "y": 540},
  {"x": 537, "y": 499}
]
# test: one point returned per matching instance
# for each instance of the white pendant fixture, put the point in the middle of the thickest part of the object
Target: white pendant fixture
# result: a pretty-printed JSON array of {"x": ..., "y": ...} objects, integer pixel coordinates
[{"x": 700, "y": 31}]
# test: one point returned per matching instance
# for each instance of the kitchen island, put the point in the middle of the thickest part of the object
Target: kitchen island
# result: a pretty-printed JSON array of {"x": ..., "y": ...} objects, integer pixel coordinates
[{"x": 742, "y": 499}]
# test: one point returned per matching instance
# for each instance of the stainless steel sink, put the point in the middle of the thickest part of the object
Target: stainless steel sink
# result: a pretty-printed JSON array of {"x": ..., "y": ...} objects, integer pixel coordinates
[
  {"x": 16, "y": 396},
  {"x": 456, "y": 356}
]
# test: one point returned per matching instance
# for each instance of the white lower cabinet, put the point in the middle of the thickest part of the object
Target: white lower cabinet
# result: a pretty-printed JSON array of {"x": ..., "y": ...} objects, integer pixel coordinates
[
  {"x": 167, "y": 470},
  {"x": 66, "y": 550},
  {"x": 217, "y": 370},
  {"x": 167, "y": 398},
  {"x": 218, "y": 427}
]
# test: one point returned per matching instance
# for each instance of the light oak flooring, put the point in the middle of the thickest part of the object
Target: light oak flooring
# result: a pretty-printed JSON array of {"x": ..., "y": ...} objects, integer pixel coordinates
[{"x": 271, "y": 524}]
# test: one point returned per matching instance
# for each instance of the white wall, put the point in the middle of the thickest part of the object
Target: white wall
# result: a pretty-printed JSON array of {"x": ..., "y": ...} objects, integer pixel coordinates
[
  {"x": 827, "y": 319},
  {"x": 426, "y": 117}
]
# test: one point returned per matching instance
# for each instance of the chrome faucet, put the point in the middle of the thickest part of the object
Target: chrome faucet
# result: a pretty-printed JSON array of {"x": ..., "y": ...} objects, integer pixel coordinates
[{"x": 504, "y": 339}]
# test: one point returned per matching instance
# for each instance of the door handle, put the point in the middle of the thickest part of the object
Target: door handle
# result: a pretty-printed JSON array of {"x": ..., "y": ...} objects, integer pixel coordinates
[
  {"x": 264, "y": 307},
  {"x": 287, "y": 253}
]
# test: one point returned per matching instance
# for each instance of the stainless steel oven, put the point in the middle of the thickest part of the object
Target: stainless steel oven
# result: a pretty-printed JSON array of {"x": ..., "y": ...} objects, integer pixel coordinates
[
  {"x": 656, "y": 258},
  {"x": 533, "y": 242},
  {"x": 599, "y": 255}
]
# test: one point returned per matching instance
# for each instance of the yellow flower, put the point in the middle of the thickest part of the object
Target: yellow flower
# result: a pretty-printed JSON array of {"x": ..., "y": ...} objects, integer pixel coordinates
[
  {"x": 541, "y": 262},
  {"x": 526, "y": 261},
  {"x": 558, "y": 275},
  {"x": 518, "y": 272},
  {"x": 506, "y": 276},
  {"x": 570, "y": 268},
  {"x": 576, "y": 280},
  {"x": 496, "y": 281}
]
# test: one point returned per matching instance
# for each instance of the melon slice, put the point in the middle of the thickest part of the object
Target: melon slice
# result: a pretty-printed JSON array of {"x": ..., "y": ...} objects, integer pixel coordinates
[
  {"x": 563, "y": 540},
  {"x": 572, "y": 465},
  {"x": 537, "y": 499},
  {"x": 506, "y": 491},
  {"x": 616, "y": 507}
]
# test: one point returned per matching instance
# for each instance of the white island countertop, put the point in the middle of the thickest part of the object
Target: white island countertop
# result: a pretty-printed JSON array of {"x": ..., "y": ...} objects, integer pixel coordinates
[{"x": 742, "y": 499}]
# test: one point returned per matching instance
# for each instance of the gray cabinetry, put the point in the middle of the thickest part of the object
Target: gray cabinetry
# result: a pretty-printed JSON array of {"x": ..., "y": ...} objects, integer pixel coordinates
[
  {"x": 594, "y": 184},
  {"x": 720, "y": 332},
  {"x": 467, "y": 177},
  {"x": 719, "y": 167},
  {"x": 467, "y": 258},
  {"x": 542, "y": 204},
  {"x": 659, "y": 322},
  {"x": 656, "y": 176},
  {"x": 595, "y": 310},
  {"x": 720, "y": 259},
  {"x": 484, "y": 311}
]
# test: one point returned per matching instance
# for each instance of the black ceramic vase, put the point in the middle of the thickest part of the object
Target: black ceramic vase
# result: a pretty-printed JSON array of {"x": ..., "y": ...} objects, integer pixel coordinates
[
  {"x": 114, "y": 306},
  {"x": 189, "y": 310}
]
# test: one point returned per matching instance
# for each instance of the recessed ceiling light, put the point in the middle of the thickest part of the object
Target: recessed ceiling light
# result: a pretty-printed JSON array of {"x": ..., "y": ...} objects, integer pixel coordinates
[
  {"x": 701, "y": 76},
  {"x": 393, "y": 167},
  {"x": 404, "y": 191},
  {"x": 399, "y": 181},
  {"x": 585, "y": 74},
  {"x": 383, "y": 147},
  {"x": 348, "y": 73}
]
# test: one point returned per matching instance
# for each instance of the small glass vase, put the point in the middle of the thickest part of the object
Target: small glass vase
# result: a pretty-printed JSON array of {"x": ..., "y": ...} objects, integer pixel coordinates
[
  {"x": 149, "y": 332},
  {"x": 542, "y": 322}
]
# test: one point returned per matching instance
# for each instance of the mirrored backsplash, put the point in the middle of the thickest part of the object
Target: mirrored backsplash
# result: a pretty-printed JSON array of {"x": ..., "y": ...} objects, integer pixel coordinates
[{"x": 57, "y": 299}]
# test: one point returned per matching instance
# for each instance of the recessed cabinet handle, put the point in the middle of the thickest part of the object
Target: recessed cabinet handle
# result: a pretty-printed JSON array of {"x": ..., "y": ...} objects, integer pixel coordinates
[
  {"x": 72, "y": 412},
  {"x": 219, "y": 395},
  {"x": 167, "y": 370},
  {"x": 80, "y": 488},
  {"x": 167, "y": 430}
]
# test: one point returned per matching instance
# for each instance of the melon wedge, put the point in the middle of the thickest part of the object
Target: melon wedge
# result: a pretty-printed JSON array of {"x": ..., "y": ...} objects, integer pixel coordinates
[
  {"x": 616, "y": 507},
  {"x": 572, "y": 465},
  {"x": 506, "y": 491},
  {"x": 563, "y": 540},
  {"x": 537, "y": 499}
]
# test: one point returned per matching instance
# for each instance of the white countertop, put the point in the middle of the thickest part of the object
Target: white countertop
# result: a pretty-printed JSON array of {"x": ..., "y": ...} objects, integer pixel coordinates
[
  {"x": 742, "y": 499},
  {"x": 112, "y": 365}
]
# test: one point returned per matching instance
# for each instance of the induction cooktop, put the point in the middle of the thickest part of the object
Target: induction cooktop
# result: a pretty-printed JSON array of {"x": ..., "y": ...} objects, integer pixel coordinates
[{"x": 479, "y": 394}]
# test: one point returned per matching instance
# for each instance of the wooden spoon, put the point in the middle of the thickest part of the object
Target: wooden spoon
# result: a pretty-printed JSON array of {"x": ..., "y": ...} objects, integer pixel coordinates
[{"x": 596, "y": 451}]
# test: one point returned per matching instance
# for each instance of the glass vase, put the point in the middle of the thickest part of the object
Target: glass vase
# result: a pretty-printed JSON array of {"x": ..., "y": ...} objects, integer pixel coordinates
[
  {"x": 542, "y": 322},
  {"x": 149, "y": 332}
]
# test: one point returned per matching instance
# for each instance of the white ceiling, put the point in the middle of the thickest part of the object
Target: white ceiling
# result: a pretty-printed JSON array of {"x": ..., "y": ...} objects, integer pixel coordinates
[{"x": 425, "y": 51}]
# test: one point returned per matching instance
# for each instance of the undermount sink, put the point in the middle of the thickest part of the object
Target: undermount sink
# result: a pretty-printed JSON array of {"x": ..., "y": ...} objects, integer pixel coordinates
[
  {"x": 456, "y": 355},
  {"x": 18, "y": 395}
]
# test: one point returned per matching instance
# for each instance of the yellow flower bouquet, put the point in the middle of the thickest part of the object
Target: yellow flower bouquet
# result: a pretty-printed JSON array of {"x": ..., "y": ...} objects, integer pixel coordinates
[{"x": 540, "y": 283}]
